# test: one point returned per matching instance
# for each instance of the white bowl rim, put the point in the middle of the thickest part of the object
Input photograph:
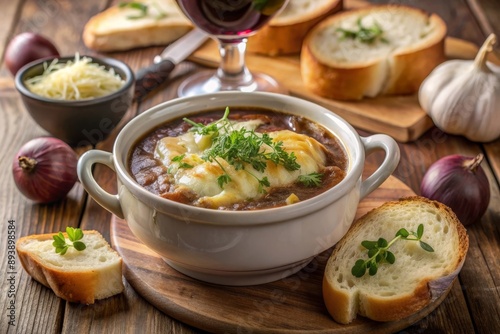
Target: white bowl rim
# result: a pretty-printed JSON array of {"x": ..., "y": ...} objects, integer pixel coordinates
[{"x": 217, "y": 217}]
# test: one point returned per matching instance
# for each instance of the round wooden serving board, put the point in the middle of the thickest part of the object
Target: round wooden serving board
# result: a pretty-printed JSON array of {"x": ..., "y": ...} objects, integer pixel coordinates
[{"x": 290, "y": 305}]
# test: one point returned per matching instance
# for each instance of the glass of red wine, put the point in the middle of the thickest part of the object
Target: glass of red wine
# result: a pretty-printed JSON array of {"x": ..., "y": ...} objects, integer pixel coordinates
[{"x": 230, "y": 22}]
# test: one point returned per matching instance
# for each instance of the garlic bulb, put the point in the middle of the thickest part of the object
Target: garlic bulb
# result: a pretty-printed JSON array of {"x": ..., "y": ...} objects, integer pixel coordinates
[{"x": 463, "y": 96}]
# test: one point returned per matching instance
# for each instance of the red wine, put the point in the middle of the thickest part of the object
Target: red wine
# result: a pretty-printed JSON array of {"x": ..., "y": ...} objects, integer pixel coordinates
[{"x": 230, "y": 17}]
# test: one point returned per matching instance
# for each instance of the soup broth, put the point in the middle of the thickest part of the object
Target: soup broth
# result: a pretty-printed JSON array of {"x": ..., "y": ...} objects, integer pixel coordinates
[{"x": 165, "y": 175}]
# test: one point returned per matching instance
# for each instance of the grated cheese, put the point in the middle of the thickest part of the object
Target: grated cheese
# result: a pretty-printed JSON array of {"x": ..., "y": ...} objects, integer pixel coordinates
[{"x": 75, "y": 80}]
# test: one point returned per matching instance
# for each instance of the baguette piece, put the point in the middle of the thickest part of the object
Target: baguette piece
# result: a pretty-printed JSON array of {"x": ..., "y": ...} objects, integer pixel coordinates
[
  {"x": 336, "y": 66},
  {"x": 285, "y": 33},
  {"x": 80, "y": 277},
  {"x": 415, "y": 279},
  {"x": 115, "y": 29}
]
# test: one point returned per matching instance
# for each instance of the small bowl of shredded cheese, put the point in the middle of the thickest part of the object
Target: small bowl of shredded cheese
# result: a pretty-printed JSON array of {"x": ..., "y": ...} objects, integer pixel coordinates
[{"x": 79, "y": 99}]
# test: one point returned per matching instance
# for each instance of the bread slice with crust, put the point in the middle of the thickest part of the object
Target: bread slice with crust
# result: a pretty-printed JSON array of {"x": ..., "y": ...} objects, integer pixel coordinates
[
  {"x": 337, "y": 64},
  {"x": 120, "y": 28},
  {"x": 285, "y": 33},
  {"x": 416, "y": 278},
  {"x": 77, "y": 276}
]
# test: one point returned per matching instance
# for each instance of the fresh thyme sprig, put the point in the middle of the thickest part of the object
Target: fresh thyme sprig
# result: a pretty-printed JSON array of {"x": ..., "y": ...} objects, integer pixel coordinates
[
  {"x": 241, "y": 147},
  {"x": 378, "y": 251},
  {"x": 364, "y": 34},
  {"x": 74, "y": 235}
]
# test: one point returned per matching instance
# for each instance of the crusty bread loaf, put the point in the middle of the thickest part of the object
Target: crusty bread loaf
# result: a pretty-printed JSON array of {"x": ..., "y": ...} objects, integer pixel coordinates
[
  {"x": 415, "y": 279},
  {"x": 77, "y": 276},
  {"x": 285, "y": 33},
  {"x": 336, "y": 66},
  {"x": 114, "y": 30}
]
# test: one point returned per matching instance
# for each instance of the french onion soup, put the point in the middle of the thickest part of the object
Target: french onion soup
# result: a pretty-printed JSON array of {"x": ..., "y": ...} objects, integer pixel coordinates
[{"x": 238, "y": 159}]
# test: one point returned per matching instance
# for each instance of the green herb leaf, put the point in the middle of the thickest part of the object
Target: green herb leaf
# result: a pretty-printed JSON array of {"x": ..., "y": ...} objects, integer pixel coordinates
[
  {"x": 381, "y": 243},
  {"x": 425, "y": 246},
  {"x": 403, "y": 232},
  {"x": 142, "y": 8},
  {"x": 359, "y": 268},
  {"x": 310, "y": 180},
  {"x": 368, "y": 244},
  {"x": 182, "y": 164},
  {"x": 74, "y": 234},
  {"x": 364, "y": 34},
  {"x": 420, "y": 231},
  {"x": 79, "y": 246},
  {"x": 390, "y": 257},
  {"x": 378, "y": 251},
  {"x": 71, "y": 233}
]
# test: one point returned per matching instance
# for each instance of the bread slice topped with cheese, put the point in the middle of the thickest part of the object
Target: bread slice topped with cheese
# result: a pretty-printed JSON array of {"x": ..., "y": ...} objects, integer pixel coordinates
[
  {"x": 135, "y": 24},
  {"x": 285, "y": 33},
  {"x": 416, "y": 277},
  {"x": 77, "y": 276},
  {"x": 372, "y": 51}
]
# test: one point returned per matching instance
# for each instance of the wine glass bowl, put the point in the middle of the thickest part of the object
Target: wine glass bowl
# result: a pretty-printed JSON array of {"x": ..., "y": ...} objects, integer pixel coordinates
[{"x": 230, "y": 22}]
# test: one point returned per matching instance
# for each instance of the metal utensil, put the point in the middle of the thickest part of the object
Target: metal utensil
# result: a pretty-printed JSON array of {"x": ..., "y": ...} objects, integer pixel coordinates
[{"x": 149, "y": 78}]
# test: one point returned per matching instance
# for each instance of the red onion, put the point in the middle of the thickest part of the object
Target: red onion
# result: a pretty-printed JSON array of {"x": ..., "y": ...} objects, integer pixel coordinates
[
  {"x": 460, "y": 183},
  {"x": 44, "y": 169},
  {"x": 27, "y": 47}
]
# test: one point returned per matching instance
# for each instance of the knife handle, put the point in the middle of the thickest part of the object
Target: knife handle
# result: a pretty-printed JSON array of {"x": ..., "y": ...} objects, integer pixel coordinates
[{"x": 149, "y": 78}]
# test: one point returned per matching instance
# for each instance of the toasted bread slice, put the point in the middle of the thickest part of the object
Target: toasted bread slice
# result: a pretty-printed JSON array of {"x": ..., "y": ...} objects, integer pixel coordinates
[
  {"x": 77, "y": 276},
  {"x": 120, "y": 28},
  {"x": 285, "y": 33},
  {"x": 416, "y": 278},
  {"x": 338, "y": 65}
]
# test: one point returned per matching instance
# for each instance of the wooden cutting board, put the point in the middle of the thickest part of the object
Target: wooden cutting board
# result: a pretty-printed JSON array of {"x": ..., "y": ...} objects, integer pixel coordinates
[
  {"x": 291, "y": 305},
  {"x": 399, "y": 116}
]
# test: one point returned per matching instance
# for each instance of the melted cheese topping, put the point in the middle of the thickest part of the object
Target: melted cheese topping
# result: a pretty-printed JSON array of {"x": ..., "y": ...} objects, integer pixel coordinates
[{"x": 201, "y": 179}]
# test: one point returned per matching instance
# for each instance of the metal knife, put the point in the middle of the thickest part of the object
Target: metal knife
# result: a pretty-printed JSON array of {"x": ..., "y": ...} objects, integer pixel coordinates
[{"x": 149, "y": 78}]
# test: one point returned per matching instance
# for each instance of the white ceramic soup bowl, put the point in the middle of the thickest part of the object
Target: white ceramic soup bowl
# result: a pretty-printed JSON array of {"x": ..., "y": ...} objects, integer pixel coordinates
[{"x": 238, "y": 247}]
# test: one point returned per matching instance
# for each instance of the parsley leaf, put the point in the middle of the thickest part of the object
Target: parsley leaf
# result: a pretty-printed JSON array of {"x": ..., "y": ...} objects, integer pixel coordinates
[{"x": 74, "y": 235}]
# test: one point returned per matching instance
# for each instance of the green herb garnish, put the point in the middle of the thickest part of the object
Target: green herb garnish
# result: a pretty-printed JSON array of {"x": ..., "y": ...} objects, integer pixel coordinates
[
  {"x": 241, "y": 147},
  {"x": 310, "y": 180},
  {"x": 142, "y": 8},
  {"x": 74, "y": 235},
  {"x": 364, "y": 34},
  {"x": 378, "y": 251},
  {"x": 182, "y": 164}
]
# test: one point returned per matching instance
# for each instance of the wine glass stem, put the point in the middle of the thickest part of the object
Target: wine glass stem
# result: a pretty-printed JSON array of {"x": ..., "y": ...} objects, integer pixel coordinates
[{"x": 232, "y": 70}]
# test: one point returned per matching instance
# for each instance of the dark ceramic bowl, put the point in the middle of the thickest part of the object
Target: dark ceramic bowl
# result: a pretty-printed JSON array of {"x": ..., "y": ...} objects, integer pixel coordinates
[{"x": 77, "y": 122}]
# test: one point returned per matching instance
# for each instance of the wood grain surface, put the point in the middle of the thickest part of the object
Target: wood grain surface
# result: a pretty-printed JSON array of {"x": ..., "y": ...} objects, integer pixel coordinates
[
  {"x": 293, "y": 304},
  {"x": 472, "y": 306}
]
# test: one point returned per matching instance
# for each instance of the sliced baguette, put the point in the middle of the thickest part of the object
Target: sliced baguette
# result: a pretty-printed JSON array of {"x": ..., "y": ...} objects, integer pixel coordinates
[
  {"x": 80, "y": 277},
  {"x": 285, "y": 33},
  {"x": 416, "y": 278},
  {"x": 339, "y": 67},
  {"x": 114, "y": 30}
]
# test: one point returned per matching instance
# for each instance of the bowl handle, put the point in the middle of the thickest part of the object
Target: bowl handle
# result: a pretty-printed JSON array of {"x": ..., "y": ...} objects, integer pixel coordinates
[
  {"x": 391, "y": 160},
  {"x": 84, "y": 168}
]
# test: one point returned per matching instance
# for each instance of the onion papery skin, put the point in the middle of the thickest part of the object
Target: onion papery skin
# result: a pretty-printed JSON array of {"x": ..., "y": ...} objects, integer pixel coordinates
[
  {"x": 54, "y": 173},
  {"x": 27, "y": 47},
  {"x": 451, "y": 181}
]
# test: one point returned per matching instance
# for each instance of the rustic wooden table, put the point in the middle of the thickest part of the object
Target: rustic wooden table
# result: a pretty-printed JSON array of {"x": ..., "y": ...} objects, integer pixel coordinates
[{"x": 473, "y": 305}]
